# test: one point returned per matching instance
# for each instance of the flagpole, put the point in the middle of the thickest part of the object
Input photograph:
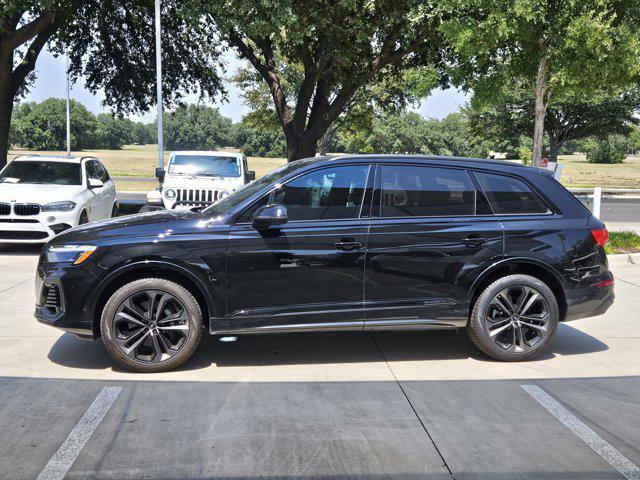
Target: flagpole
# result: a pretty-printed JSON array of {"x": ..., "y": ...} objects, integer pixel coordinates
[{"x": 68, "y": 113}]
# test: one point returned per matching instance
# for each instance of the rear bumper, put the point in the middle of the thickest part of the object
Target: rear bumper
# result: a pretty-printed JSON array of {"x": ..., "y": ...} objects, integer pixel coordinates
[{"x": 588, "y": 302}]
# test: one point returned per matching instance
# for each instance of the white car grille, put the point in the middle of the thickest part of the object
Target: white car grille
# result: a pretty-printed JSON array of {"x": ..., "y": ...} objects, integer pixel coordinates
[{"x": 195, "y": 197}]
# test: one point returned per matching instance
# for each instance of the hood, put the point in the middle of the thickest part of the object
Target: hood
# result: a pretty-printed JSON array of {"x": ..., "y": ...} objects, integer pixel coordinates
[
  {"x": 37, "y": 193},
  {"x": 151, "y": 224}
]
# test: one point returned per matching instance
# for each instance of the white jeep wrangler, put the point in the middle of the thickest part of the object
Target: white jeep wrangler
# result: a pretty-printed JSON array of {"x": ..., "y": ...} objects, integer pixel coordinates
[{"x": 198, "y": 179}]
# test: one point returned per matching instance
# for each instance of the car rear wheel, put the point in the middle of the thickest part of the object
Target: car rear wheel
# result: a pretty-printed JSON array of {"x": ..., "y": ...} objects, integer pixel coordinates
[
  {"x": 514, "y": 319},
  {"x": 151, "y": 325}
]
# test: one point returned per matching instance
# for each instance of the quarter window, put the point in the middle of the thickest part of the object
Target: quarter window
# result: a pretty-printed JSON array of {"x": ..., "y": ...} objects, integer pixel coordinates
[
  {"x": 417, "y": 191},
  {"x": 509, "y": 195},
  {"x": 330, "y": 193}
]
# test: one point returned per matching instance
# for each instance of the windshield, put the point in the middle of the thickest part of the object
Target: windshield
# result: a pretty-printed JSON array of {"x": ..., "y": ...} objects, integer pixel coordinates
[
  {"x": 56, "y": 173},
  {"x": 205, "y": 165},
  {"x": 245, "y": 192}
]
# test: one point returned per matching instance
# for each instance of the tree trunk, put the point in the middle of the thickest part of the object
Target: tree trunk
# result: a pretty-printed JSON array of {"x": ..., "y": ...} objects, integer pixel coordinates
[
  {"x": 554, "y": 146},
  {"x": 6, "y": 109},
  {"x": 541, "y": 102},
  {"x": 298, "y": 148}
]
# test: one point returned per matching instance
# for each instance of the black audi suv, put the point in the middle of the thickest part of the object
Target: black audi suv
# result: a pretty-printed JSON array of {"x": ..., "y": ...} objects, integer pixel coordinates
[{"x": 337, "y": 243}]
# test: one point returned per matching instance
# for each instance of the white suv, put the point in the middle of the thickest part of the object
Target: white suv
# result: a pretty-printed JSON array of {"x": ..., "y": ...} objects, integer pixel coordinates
[
  {"x": 197, "y": 179},
  {"x": 41, "y": 196}
]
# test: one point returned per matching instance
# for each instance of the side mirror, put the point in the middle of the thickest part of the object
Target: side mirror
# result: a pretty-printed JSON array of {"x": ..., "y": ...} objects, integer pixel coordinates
[
  {"x": 269, "y": 216},
  {"x": 251, "y": 176},
  {"x": 95, "y": 183},
  {"x": 160, "y": 174}
]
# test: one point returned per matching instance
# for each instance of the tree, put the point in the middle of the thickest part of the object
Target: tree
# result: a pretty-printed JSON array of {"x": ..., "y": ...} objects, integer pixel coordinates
[
  {"x": 564, "y": 122},
  {"x": 25, "y": 28},
  {"x": 197, "y": 127},
  {"x": 607, "y": 149},
  {"x": 336, "y": 47},
  {"x": 111, "y": 44},
  {"x": 557, "y": 49},
  {"x": 112, "y": 133},
  {"x": 43, "y": 126}
]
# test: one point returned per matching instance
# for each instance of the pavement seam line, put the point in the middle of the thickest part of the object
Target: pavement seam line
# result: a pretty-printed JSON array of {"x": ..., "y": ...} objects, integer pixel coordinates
[
  {"x": 424, "y": 427},
  {"x": 622, "y": 464},
  {"x": 17, "y": 284},
  {"x": 64, "y": 458},
  {"x": 626, "y": 281}
]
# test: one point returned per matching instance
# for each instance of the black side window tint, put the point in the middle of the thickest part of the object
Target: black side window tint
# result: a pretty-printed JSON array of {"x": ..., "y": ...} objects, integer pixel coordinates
[
  {"x": 92, "y": 170},
  {"x": 330, "y": 193},
  {"x": 104, "y": 176},
  {"x": 509, "y": 195},
  {"x": 409, "y": 191}
]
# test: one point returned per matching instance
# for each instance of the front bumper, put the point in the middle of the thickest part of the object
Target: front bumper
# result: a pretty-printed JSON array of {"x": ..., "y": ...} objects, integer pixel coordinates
[
  {"x": 38, "y": 228},
  {"x": 62, "y": 310}
]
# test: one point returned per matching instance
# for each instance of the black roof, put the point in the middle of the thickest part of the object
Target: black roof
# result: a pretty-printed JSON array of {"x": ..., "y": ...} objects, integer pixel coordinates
[{"x": 425, "y": 158}]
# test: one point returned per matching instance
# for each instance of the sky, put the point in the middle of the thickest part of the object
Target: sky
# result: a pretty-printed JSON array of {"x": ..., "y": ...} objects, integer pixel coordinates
[{"x": 51, "y": 82}]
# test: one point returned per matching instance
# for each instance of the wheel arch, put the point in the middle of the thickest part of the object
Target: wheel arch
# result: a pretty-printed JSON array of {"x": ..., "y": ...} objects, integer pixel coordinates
[
  {"x": 526, "y": 266},
  {"x": 151, "y": 269}
]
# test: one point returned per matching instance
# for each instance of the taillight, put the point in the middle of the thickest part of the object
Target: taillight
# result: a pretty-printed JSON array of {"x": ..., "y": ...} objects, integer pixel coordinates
[{"x": 601, "y": 236}]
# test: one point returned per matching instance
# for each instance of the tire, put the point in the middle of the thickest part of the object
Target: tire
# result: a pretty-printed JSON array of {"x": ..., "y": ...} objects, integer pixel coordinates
[
  {"x": 83, "y": 218},
  {"x": 114, "y": 211},
  {"x": 154, "y": 352},
  {"x": 494, "y": 330}
]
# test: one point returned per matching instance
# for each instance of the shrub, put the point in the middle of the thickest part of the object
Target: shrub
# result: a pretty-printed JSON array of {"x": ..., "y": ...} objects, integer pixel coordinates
[
  {"x": 612, "y": 149},
  {"x": 525, "y": 154}
]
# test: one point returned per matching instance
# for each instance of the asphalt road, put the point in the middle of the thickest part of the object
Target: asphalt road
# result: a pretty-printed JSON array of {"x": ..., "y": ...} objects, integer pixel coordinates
[{"x": 321, "y": 406}]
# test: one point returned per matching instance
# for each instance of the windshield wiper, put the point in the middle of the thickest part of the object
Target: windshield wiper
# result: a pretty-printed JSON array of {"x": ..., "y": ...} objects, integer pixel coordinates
[{"x": 209, "y": 175}]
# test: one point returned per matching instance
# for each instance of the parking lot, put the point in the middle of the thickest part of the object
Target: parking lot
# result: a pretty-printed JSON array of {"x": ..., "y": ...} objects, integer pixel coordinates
[{"x": 321, "y": 406}]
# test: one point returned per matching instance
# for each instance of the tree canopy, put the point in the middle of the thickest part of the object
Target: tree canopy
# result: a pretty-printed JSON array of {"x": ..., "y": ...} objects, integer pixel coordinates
[
  {"x": 314, "y": 64},
  {"x": 556, "y": 49}
]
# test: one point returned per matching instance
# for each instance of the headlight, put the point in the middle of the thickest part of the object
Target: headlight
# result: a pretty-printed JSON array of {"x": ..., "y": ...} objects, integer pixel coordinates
[
  {"x": 169, "y": 194},
  {"x": 75, "y": 254},
  {"x": 223, "y": 194},
  {"x": 59, "y": 206}
]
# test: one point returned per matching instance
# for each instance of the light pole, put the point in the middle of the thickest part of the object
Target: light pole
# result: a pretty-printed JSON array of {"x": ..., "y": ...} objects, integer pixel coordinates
[
  {"x": 68, "y": 113},
  {"x": 160, "y": 167}
]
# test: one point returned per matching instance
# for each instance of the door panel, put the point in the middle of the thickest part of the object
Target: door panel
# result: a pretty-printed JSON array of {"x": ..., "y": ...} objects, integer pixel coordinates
[
  {"x": 426, "y": 242},
  {"x": 309, "y": 272},
  {"x": 418, "y": 270},
  {"x": 296, "y": 276}
]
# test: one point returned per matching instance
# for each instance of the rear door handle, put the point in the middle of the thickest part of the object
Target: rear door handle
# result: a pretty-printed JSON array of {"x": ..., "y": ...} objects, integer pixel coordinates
[
  {"x": 474, "y": 241},
  {"x": 347, "y": 244}
]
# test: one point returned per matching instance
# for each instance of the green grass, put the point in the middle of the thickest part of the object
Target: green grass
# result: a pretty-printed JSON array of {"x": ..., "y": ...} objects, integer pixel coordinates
[{"x": 623, "y": 242}]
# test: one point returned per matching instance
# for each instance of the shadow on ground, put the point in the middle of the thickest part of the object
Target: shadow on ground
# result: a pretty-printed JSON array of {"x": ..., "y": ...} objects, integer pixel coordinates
[{"x": 321, "y": 348}]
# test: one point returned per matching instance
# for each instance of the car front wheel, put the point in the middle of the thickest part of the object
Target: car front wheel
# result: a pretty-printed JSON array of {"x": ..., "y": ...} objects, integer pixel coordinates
[
  {"x": 151, "y": 325},
  {"x": 515, "y": 318}
]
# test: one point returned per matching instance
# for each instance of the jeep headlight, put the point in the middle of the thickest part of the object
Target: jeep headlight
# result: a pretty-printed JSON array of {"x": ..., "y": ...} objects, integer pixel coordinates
[
  {"x": 170, "y": 194},
  {"x": 223, "y": 194},
  {"x": 66, "y": 206}
]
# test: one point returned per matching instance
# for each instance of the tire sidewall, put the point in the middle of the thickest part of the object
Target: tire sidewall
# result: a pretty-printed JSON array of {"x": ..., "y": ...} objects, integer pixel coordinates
[
  {"x": 194, "y": 315},
  {"x": 477, "y": 328}
]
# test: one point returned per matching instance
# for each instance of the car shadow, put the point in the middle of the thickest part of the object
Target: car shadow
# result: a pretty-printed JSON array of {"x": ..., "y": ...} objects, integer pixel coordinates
[{"x": 321, "y": 348}]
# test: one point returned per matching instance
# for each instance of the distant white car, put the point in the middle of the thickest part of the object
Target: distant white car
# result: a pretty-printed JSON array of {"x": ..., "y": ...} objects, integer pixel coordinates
[
  {"x": 199, "y": 178},
  {"x": 42, "y": 195}
]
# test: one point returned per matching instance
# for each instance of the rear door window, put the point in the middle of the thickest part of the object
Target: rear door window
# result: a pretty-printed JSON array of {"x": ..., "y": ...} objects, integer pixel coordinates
[
  {"x": 424, "y": 191},
  {"x": 508, "y": 195}
]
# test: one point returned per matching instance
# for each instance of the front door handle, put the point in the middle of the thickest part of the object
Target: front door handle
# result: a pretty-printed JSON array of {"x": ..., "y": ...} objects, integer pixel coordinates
[
  {"x": 474, "y": 241},
  {"x": 347, "y": 244}
]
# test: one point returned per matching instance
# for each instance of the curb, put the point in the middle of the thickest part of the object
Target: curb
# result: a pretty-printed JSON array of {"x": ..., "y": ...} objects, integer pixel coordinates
[{"x": 624, "y": 259}]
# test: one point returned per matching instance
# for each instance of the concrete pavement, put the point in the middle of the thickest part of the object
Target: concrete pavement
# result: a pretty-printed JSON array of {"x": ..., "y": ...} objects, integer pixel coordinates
[{"x": 389, "y": 405}]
